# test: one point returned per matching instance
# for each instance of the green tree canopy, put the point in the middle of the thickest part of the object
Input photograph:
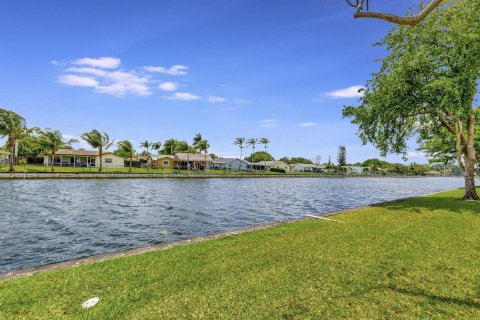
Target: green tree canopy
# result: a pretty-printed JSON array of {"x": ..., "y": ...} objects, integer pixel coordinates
[
  {"x": 126, "y": 150},
  {"x": 14, "y": 127},
  {"x": 173, "y": 146},
  {"x": 426, "y": 87},
  {"x": 260, "y": 156},
  {"x": 294, "y": 160},
  {"x": 99, "y": 141}
]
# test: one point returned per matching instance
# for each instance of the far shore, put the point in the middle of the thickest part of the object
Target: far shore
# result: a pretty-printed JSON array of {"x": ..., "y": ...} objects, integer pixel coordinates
[{"x": 185, "y": 175}]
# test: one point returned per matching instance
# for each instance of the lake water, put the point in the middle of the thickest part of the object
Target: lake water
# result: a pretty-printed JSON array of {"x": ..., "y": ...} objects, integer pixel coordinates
[{"x": 46, "y": 221}]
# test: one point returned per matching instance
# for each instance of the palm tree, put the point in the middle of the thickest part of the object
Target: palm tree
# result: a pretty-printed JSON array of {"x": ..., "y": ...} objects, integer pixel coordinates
[
  {"x": 99, "y": 141},
  {"x": 126, "y": 150},
  {"x": 13, "y": 127},
  {"x": 156, "y": 146},
  {"x": 265, "y": 143},
  {"x": 196, "y": 140},
  {"x": 51, "y": 141},
  {"x": 240, "y": 142},
  {"x": 203, "y": 146},
  {"x": 145, "y": 144},
  {"x": 169, "y": 145},
  {"x": 252, "y": 142}
]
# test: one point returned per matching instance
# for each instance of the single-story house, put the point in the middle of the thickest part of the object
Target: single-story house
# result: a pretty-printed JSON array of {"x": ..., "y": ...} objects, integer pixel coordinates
[
  {"x": 432, "y": 174},
  {"x": 259, "y": 166},
  {"x": 229, "y": 164},
  {"x": 83, "y": 158},
  {"x": 353, "y": 169},
  {"x": 277, "y": 165},
  {"x": 305, "y": 167},
  {"x": 163, "y": 161},
  {"x": 192, "y": 161}
]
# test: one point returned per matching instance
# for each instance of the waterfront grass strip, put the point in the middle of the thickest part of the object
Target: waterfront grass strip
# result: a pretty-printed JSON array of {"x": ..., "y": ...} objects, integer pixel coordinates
[
  {"x": 412, "y": 259},
  {"x": 32, "y": 168}
]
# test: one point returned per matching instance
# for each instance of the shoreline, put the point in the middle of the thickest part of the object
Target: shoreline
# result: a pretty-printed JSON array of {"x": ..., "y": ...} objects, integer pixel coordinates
[
  {"x": 89, "y": 175},
  {"x": 21, "y": 273}
]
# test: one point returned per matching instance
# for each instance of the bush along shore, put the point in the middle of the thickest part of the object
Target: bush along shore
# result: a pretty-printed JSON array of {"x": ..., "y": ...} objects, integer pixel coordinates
[{"x": 413, "y": 259}]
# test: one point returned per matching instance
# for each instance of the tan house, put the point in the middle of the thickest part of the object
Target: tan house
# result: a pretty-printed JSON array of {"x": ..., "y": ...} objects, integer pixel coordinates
[
  {"x": 83, "y": 158},
  {"x": 163, "y": 161},
  {"x": 431, "y": 174},
  {"x": 192, "y": 161}
]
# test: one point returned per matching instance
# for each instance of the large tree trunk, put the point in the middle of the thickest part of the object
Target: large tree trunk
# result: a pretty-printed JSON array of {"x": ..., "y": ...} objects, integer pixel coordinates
[
  {"x": 100, "y": 151},
  {"x": 11, "y": 146},
  {"x": 469, "y": 174},
  {"x": 470, "y": 159},
  {"x": 53, "y": 159}
]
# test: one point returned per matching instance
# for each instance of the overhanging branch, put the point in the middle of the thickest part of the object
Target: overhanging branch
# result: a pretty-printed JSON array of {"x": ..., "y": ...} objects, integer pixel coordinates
[{"x": 411, "y": 21}]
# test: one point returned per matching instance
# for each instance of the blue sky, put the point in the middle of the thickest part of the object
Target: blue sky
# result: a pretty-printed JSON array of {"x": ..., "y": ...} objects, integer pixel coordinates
[{"x": 168, "y": 69}]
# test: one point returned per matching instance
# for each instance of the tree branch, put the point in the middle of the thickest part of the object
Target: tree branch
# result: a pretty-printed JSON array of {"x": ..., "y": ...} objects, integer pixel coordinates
[
  {"x": 446, "y": 124},
  {"x": 411, "y": 21}
]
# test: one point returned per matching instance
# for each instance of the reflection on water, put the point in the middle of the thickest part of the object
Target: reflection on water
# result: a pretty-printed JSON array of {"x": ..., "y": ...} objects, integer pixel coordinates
[{"x": 45, "y": 221}]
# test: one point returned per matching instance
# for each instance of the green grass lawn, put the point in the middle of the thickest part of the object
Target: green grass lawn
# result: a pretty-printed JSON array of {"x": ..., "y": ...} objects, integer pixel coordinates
[
  {"x": 414, "y": 259},
  {"x": 42, "y": 168}
]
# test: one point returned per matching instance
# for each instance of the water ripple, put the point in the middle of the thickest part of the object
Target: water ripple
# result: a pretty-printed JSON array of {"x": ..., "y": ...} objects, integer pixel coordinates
[{"x": 46, "y": 221}]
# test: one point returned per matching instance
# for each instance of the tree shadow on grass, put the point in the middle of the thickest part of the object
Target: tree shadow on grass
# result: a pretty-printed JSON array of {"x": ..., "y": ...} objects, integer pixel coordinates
[
  {"x": 433, "y": 297},
  {"x": 441, "y": 201}
]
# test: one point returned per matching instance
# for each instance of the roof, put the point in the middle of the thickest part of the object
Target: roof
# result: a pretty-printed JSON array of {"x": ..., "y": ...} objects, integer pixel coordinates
[
  {"x": 275, "y": 162},
  {"x": 261, "y": 163},
  {"x": 226, "y": 160},
  {"x": 196, "y": 157},
  {"x": 308, "y": 165},
  {"x": 163, "y": 156},
  {"x": 71, "y": 152},
  {"x": 435, "y": 173},
  {"x": 68, "y": 152}
]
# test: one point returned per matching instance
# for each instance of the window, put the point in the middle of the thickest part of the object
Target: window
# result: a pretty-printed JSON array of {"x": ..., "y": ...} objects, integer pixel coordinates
[
  {"x": 108, "y": 160},
  {"x": 166, "y": 162}
]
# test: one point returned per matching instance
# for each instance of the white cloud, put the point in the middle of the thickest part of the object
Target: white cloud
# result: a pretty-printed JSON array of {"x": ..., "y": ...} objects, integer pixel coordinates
[
  {"x": 117, "y": 83},
  {"x": 87, "y": 70},
  {"x": 104, "y": 76},
  {"x": 184, "y": 96},
  {"x": 268, "y": 123},
  {"x": 120, "y": 83},
  {"x": 74, "y": 80},
  {"x": 416, "y": 155},
  {"x": 216, "y": 99},
  {"x": 175, "y": 70},
  {"x": 168, "y": 86},
  {"x": 350, "y": 92},
  {"x": 308, "y": 124},
  {"x": 103, "y": 62}
]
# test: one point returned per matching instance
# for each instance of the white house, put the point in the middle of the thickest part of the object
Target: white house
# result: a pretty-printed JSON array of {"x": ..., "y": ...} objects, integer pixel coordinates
[
  {"x": 83, "y": 158},
  {"x": 353, "y": 169},
  {"x": 305, "y": 167},
  {"x": 229, "y": 164},
  {"x": 258, "y": 166}
]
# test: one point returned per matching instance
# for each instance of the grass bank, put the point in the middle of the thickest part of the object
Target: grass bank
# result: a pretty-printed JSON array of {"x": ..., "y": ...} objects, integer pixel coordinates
[
  {"x": 32, "y": 168},
  {"x": 412, "y": 259}
]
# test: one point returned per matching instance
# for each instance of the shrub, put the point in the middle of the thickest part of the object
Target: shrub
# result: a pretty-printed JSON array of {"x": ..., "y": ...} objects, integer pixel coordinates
[{"x": 277, "y": 170}]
